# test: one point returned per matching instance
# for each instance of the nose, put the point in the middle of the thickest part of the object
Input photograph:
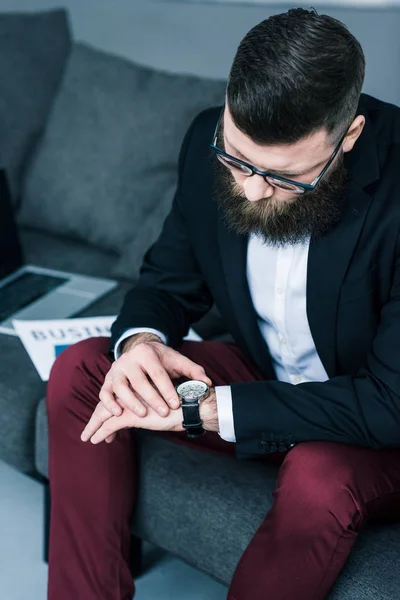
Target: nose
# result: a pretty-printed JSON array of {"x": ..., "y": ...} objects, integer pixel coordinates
[{"x": 256, "y": 187}]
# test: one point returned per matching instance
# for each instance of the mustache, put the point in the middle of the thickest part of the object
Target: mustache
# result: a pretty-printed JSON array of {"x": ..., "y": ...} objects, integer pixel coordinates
[{"x": 287, "y": 221}]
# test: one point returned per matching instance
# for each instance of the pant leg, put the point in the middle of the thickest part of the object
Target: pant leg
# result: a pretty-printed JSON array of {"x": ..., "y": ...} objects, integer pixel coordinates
[
  {"x": 325, "y": 493},
  {"x": 93, "y": 486}
]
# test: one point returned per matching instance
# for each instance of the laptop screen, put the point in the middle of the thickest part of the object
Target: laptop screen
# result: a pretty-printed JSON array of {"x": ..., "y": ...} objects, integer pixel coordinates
[{"x": 10, "y": 249}]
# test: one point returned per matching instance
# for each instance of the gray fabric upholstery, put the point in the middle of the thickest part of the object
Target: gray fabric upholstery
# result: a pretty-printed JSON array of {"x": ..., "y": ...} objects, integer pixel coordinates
[
  {"x": 372, "y": 572},
  {"x": 56, "y": 252},
  {"x": 20, "y": 391},
  {"x": 41, "y": 439},
  {"x": 109, "y": 155},
  {"x": 206, "y": 511},
  {"x": 29, "y": 75},
  {"x": 129, "y": 263}
]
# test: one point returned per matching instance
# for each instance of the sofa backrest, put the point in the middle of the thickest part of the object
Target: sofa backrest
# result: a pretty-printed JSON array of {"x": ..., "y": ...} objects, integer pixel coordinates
[
  {"x": 33, "y": 53},
  {"x": 108, "y": 158}
]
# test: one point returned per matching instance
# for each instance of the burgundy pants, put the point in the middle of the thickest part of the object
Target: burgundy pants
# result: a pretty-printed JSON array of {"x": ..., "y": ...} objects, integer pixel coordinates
[{"x": 325, "y": 492}]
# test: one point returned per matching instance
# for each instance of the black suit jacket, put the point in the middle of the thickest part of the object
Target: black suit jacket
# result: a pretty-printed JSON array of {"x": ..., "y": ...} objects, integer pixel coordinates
[{"x": 353, "y": 296}]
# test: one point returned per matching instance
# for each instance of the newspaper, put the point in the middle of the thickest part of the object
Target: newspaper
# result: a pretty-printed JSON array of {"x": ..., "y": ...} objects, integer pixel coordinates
[{"x": 44, "y": 340}]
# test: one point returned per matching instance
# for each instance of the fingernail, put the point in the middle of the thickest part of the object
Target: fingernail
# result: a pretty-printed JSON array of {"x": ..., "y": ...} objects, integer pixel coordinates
[
  {"x": 139, "y": 411},
  {"x": 116, "y": 411},
  {"x": 174, "y": 403},
  {"x": 83, "y": 438},
  {"x": 162, "y": 410}
]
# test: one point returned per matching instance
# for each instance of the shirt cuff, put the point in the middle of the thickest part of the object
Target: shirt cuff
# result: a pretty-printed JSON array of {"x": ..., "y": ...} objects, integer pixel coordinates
[
  {"x": 223, "y": 395},
  {"x": 132, "y": 331}
]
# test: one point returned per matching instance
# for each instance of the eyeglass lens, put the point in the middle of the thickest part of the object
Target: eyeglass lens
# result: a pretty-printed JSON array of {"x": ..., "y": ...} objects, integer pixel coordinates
[{"x": 232, "y": 164}]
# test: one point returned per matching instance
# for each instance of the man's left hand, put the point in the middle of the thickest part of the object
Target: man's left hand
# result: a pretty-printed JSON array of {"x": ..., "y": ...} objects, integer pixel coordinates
[{"x": 103, "y": 425}]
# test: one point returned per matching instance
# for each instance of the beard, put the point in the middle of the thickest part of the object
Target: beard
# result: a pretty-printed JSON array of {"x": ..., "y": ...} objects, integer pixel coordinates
[{"x": 283, "y": 222}]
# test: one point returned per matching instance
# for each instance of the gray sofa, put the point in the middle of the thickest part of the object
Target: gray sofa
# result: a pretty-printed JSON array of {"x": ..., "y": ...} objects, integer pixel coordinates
[{"x": 90, "y": 144}]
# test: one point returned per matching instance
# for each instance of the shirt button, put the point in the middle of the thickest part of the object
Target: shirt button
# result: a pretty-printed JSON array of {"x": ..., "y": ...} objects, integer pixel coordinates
[
  {"x": 298, "y": 379},
  {"x": 279, "y": 291},
  {"x": 283, "y": 341}
]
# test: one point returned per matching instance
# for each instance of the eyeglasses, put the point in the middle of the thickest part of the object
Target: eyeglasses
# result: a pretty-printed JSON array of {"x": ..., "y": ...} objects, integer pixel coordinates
[{"x": 287, "y": 185}]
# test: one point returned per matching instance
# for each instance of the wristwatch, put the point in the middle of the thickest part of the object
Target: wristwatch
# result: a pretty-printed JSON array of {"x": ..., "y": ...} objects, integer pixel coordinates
[{"x": 190, "y": 393}]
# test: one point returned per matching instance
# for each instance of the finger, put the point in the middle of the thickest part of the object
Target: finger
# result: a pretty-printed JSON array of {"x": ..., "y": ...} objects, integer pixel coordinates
[
  {"x": 99, "y": 416},
  {"x": 109, "y": 427},
  {"x": 140, "y": 383},
  {"x": 174, "y": 365},
  {"x": 162, "y": 381},
  {"x": 122, "y": 388},
  {"x": 111, "y": 438},
  {"x": 107, "y": 397},
  {"x": 190, "y": 369}
]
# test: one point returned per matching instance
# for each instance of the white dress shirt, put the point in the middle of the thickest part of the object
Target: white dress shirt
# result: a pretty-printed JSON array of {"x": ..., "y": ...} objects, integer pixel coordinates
[
  {"x": 277, "y": 279},
  {"x": 132, "y": 331}
]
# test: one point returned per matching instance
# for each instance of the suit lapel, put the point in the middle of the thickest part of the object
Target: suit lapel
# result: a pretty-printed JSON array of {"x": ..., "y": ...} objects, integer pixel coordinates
[
  {"x": 328, "y": 260},
  {"x": 330, "y": 256}
]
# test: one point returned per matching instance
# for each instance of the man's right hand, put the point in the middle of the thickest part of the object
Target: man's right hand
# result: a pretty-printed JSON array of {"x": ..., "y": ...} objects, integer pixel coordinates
[{"x": 142, "y": 376}]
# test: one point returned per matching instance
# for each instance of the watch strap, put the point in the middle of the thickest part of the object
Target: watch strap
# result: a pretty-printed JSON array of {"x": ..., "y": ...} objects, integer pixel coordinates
[{"x": 191, "y": 419}]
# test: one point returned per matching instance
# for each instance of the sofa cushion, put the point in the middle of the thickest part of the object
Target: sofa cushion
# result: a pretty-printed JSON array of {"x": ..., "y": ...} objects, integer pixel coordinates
[
  {"x": 56, "y": 252},
  {"x": 109, "y": 154},
  {"x": 20, "y": 391},
  {"x": 33, "y": 52},
  {"x": 131, "y": 258}
]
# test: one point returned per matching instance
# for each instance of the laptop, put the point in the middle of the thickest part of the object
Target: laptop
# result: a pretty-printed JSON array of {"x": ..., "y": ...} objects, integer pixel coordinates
[{"x": 30, "y": 292}]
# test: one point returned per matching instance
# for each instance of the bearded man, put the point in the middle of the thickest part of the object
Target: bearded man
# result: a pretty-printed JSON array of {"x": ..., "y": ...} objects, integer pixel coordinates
[{"x": 287, "y": 218}]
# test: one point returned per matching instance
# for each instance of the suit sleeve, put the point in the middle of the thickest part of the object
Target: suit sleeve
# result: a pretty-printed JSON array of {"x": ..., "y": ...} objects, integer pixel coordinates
[
  {"x": 361, "y": 408},
  {"x": 170, "y": 293}
]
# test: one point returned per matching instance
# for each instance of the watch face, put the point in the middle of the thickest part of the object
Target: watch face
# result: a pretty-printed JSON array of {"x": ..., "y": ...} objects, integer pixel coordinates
[{"x": 191, "y": 390}]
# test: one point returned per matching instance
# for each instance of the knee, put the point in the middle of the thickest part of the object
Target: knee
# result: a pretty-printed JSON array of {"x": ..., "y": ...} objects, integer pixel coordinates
[
  {"x": 318, "y": 477},
  {"x": 82, "y": 355},
  {"x": 77, "y": 368}
]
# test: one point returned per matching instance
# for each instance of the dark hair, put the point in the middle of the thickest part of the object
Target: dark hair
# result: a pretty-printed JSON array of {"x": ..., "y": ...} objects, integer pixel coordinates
[{"x": 293, "y": 74}]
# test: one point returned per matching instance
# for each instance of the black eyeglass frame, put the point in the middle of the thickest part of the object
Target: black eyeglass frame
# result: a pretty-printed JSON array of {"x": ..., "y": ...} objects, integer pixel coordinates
[{"x": 254, "y": 171}]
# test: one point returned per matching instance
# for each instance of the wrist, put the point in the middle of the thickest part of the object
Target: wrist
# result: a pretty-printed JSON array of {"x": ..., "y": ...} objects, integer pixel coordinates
[
  {"x": 139, "y": 338},
  {"x": 209, "y": 411}
]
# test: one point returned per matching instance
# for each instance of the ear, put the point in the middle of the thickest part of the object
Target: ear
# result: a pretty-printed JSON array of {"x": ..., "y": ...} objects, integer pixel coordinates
[{"x": 354, "y": 133}]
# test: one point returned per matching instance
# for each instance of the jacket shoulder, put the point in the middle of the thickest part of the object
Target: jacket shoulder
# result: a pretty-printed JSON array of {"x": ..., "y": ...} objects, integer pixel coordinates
[
  {"x": 384, "y": 117},
  {"x": 202, "y": 127}
]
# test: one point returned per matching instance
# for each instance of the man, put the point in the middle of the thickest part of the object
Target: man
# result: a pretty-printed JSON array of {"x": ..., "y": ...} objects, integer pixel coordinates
[{"x": 291, "y": 227}]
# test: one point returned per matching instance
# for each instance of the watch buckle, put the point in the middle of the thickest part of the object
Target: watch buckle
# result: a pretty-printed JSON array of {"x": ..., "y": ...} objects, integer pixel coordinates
[{"x": 192, "y": 425}]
